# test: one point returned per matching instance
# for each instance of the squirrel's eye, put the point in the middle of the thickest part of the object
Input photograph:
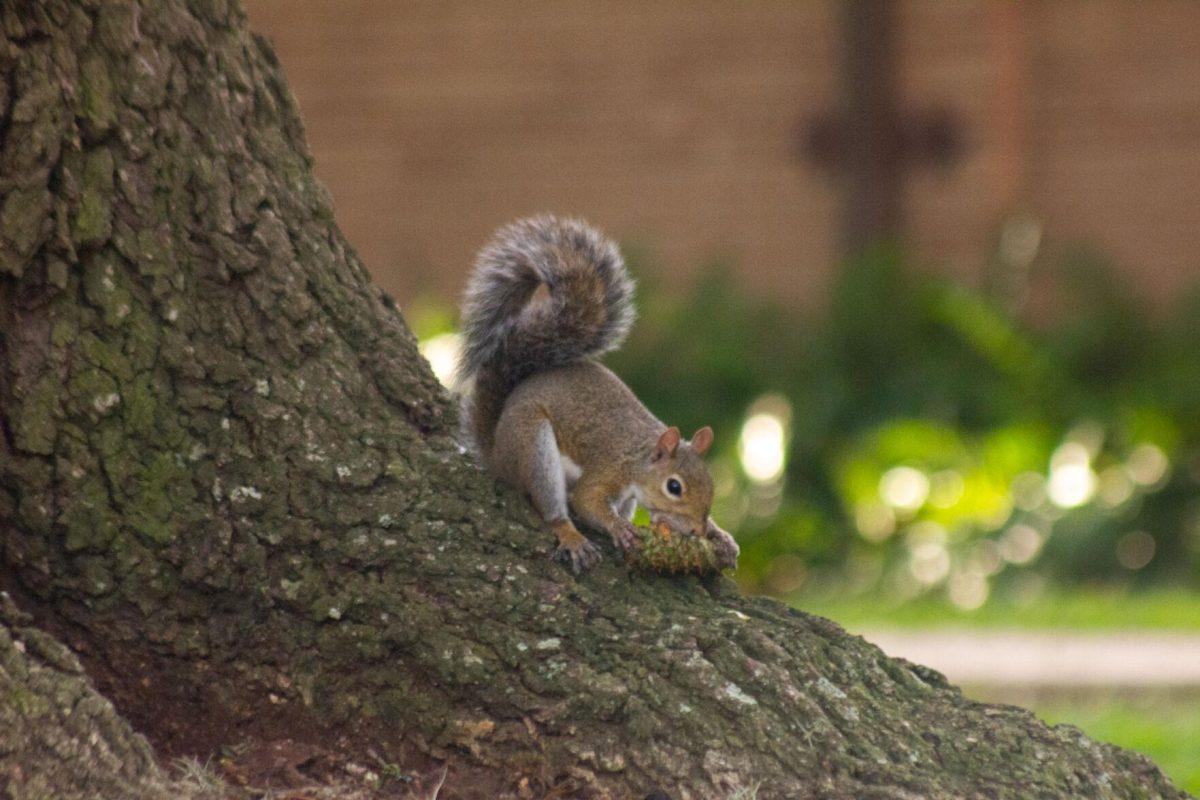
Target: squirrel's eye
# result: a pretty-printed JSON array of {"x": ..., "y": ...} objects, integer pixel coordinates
[{"x": 674, "y": 487}]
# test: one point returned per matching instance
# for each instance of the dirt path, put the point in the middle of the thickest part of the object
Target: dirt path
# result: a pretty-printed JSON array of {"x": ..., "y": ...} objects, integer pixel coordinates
[{"x": 1051, "y": 658}]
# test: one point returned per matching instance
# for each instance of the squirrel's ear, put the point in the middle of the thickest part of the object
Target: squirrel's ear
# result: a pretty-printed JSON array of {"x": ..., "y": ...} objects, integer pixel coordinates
[
  {"x": 666, "y": 444},
  {"x": 702, "y": 440}
]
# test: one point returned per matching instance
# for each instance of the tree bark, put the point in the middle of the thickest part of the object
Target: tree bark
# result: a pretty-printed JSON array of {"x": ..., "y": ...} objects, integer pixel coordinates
[
  {"x": 60, "y": 738},
  {"x": 231, "y": 485}
]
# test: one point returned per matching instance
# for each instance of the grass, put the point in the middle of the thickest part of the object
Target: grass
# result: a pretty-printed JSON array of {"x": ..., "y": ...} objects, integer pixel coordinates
[{"x": 1087, "y": 609}]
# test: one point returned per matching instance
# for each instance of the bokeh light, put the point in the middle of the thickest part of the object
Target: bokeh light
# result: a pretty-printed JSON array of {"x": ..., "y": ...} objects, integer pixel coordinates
[
  {"x": 1135, "y": 550},
  {"x": 874, "y": 521},
  {"x": 968, "y": 589},
  {"x": 762, "y": 446},
  {"x": 904, "y": 488},
  {"x": 1072, "y": 481},
  {"x": 1115, "y": 487},
  {"x": 441, "y": 352},
  {"x": 1147, "y": 464},
  {"x": 1020, "y": 544},
  {"x": 929, "y": 562}
]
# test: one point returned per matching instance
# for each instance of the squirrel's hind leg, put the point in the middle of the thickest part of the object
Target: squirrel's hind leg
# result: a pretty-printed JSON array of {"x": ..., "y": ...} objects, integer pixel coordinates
[{"x": 539, "y": 470}]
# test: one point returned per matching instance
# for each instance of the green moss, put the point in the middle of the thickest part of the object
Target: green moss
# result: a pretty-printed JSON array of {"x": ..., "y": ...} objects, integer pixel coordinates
[
  {"x": 34, "y": 419},
  {"x": 326, "y": 607},
  {"x": 26, "y": 704},
  {"x": 93, "y": 218},
  {"x": 251, "y": 190},
  {"x": 87, "y": 516},
  {"x": 172, "y": 171},
  {"x": 141, "y": 339},
  {"x": 140, "y": 406},
  {"x": 366, "y": 641},
  {"x": 57, "y": 271},
  {"x": 93, "y": 391},
  {"x": 92, "y": 223},
  {"x": 21, "y": 219},
  {"x": 106, "y": 355},
  {"x": 394, "y": 703},
  {"x": 160, "y": 486},
  {"x": 154, "y": 252},
  {"x": 105, "y": 287},
  {"x": 64, "y": 331},
  {"x": 96, "y": 94},
  {"x": 398, "y": 471}
]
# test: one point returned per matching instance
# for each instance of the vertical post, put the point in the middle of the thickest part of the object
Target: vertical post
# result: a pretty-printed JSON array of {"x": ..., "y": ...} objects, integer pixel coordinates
[
  {"x": 1010, "y": 54},
  {"x": 873, "y": 151}
]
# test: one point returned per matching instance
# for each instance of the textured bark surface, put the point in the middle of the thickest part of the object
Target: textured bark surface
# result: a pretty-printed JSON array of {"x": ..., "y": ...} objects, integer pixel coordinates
[
  {"x": 228, "y": 481},
  {"x": 60, "y": 739}
]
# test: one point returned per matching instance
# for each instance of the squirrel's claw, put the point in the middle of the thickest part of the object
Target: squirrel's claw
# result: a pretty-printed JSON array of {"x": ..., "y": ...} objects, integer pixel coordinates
[
  {"x": 726, "y": 548},
  {"x": 625, "y": 537},
  {"x": 579, "y": 556}
]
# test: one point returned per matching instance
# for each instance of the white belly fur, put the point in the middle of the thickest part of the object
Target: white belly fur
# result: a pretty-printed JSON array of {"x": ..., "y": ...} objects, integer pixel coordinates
[{"x": 571, "y": 472}]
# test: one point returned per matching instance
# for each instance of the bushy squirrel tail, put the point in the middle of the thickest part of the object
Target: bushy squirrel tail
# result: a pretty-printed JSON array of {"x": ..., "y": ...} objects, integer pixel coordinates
[{"x": 513, "y": 328}]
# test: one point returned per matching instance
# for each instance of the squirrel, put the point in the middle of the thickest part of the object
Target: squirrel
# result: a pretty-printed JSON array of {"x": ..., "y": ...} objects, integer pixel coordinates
[{"x": 546, "y": 297}]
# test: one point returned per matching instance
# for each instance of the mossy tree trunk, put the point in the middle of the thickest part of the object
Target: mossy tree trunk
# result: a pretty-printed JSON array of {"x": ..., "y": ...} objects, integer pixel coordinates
[{"x": 230, "y": 484}]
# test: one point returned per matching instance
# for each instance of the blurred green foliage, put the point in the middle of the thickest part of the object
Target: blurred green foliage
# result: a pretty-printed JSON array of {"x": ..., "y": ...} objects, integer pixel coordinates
[
  {"x": 938, "y": 442},
  {"x": 923, "y": 439}
]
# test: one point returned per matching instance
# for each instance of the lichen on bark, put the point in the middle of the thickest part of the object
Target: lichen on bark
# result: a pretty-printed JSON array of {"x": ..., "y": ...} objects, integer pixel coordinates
[{"x": 227, "y": 477}]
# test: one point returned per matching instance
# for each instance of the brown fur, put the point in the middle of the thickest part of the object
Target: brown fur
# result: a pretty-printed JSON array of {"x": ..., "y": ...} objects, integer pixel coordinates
[{"x": 606, "y": 431}]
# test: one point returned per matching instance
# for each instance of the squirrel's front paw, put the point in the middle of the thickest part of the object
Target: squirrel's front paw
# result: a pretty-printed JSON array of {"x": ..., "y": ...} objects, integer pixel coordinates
[
  {"x": 574, "y": 548},
  {"x": 625, "y": 536},
  {"x": 726, "y": 548},
  {"x": 580, "y": 557}
]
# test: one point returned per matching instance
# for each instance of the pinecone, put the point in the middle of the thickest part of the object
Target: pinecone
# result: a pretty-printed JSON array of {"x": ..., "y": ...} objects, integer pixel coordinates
[{"x": 669, "y": 552}]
